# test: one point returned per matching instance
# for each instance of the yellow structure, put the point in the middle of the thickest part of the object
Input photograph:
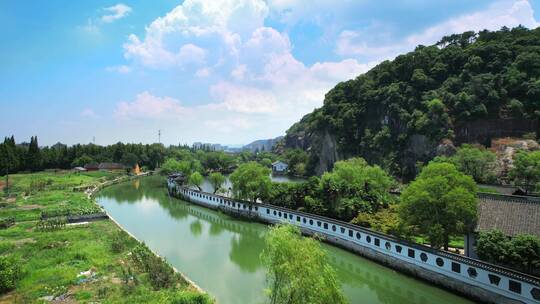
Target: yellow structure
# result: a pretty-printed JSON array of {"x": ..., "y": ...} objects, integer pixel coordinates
[{"x": 137, "y": 169}]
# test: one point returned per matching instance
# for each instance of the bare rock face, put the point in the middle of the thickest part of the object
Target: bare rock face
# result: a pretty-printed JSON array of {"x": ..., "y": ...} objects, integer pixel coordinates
[
  {"x": 328, "y": 154},
  {"x": 322, "y": 145},
  {"x": 506, "y": 148},
  {"x": 445, "y": 148},
  {"x": 419, "y": 149}
]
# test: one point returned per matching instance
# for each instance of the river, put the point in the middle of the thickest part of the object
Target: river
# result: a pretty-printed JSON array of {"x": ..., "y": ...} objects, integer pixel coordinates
[{"x": 221, "y": 254}]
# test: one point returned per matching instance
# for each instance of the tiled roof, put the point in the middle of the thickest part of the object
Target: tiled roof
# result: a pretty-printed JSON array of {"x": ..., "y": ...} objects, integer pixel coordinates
[
  {"x": 91, "y": 166},
  {"x": 110, "y": 166},
  {"x": 510, "y": 214}
]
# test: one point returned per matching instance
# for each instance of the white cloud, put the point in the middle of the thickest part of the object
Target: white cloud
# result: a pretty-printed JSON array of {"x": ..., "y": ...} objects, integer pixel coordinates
[
  {"x": 116, "y": 12},
  {"x": 499, "y": 14},
  {"x": 148, "y": 106},
  {"x": 213, "y": 22},
  {"x": 257, "y": 81},
  {"x": 191, "y": 53},
  {"x": 122, "y": 69},
  {"x": 239, "y": 72},
  {"x": 88, "y": 113},
  {"x": 204, "y": 72},
  {"x": 243, "y": 99}
]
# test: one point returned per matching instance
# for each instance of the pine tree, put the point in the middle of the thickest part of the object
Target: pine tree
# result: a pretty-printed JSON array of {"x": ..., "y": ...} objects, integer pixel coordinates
[{"x": 33, "y": 155}]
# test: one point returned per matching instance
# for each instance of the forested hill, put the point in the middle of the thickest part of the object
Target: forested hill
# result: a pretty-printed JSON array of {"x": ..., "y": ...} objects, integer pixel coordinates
[{"x": 468, "y": 87}]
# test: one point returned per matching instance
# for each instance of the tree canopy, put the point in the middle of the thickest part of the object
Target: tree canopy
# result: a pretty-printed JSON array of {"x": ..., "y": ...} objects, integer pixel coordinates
[
  {"x": 298, "y": 269},
  {"x": 217, "y": 180},
  {"x": 526, "y": 170},
  {"x": 439, "y": 203},
  {"x": 196, "y": 180},
  {"x": 250, "y": 181},
  {"x": 425, "y": 96},
  {"x": 521, "y": 252},
  {"x": 354, "y": 186}
]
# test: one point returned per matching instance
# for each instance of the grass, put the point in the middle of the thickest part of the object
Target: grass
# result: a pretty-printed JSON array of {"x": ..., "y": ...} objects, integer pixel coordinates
[
  {"x": 455, "y": 241},
  {"x": 51, "y": 261},
  {"x": 488, "y": 190}
]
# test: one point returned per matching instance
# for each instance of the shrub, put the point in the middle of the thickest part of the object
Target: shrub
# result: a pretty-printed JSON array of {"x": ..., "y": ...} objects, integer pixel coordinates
[
  {"x": 190, "y": 297},
  {"x": 118, "y": 243},
  {"x": 51, "y": 224},
  {"x": 160, "y": 273},
  {"x": 7, "y": 222},
  {"x": 10, "y": 273}
]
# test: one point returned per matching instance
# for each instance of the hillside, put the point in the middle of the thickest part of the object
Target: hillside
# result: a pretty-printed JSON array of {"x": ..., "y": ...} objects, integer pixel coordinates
[
  {"x": 468, "y": 87},
  {"x": 262, "y": 144}
]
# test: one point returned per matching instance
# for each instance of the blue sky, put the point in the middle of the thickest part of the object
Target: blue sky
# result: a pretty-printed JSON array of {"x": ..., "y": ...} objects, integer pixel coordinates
[{"x": 224, "y": 71}]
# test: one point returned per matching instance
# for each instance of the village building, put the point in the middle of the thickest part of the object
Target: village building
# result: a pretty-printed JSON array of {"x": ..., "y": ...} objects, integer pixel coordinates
[
  {"x": 91, "y": 167},
  {"x": 111, "y": 167},
  {"x": 279, "y": 167},
  {"x": 510, "y": 214}
]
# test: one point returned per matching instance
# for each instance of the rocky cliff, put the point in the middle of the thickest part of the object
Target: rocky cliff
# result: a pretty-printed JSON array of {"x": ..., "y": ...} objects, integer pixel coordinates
[{"x": 469, "y": 87}]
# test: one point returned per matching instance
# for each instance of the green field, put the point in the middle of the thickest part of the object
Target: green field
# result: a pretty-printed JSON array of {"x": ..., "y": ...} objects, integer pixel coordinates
[{"x": 51, "y": 261}]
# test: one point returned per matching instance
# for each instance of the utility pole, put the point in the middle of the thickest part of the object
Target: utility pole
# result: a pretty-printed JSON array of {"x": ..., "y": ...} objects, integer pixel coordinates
[
  {"x": 94, "y": 139},
  {"x": 159, "y": 136}
]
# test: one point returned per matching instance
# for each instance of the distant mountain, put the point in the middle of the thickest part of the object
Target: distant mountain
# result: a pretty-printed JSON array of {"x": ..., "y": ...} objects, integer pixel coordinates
[{"x": 262, "y": 144}]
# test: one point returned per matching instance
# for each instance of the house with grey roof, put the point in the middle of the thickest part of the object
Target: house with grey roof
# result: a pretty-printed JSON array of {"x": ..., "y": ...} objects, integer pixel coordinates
[
  {"x": 279, "y": 167},
  {"x": 510, "y": 214}
]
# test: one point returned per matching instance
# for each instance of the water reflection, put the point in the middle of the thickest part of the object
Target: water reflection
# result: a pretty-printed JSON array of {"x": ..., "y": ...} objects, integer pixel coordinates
[
  {"x": 247, "y": 245},
  {"x": 221, "y": 254}
]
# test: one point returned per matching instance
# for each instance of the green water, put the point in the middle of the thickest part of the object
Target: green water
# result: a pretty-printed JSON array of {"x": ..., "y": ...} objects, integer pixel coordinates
[{"x": 221, "y": 254}]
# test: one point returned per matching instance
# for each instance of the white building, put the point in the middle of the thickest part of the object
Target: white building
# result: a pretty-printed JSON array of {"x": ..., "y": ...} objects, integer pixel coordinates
[{"x": 279, "y": 167}]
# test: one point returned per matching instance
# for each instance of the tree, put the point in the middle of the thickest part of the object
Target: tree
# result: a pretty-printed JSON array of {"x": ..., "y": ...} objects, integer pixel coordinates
[
  {"x": 354, "y": 186},
  {"x": 129, "y": 159},
  {"x": 171, "y": 165},
  {"x": 251, "y": 181},
  {"x": 526, "y": 171},
  {"x": 525, "y": 252},
  {"x": 9, "y": 159},
  {"x": 493, "y": 246},
  {"x": 196, "y": 179},
  {"x": 33, "y": 156},
  {"x": 217, "y": 180},
  {"x": 440, "y": 202},
  {"x": 294, "y": 158},
  {"x": 266, "y": 162},
  {"x": 476, "y": 162},
  {"x": 298, "y": 269},
  {"x": 81, "y": 161},
  {"x": 521, "y": 252}
]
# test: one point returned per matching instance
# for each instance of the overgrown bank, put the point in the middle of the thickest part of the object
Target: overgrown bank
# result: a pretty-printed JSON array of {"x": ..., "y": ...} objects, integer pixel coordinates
[{"x": 89, "y": 262}]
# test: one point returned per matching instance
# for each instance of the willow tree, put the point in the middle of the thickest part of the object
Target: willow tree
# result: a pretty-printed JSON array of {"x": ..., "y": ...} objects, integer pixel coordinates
[
  {"x": 196, "y": 180},
  {"x": 217, "y": 180},
  {"x": 251, "y": 181},
  {"x": 298, "y": 269}
]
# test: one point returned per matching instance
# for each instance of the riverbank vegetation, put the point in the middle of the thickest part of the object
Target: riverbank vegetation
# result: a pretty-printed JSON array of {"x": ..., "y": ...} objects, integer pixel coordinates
[
  {"x": 439, "y": 206},
  {"x": 90, "y": 262},
  {"x": 298, "y": 270}
]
